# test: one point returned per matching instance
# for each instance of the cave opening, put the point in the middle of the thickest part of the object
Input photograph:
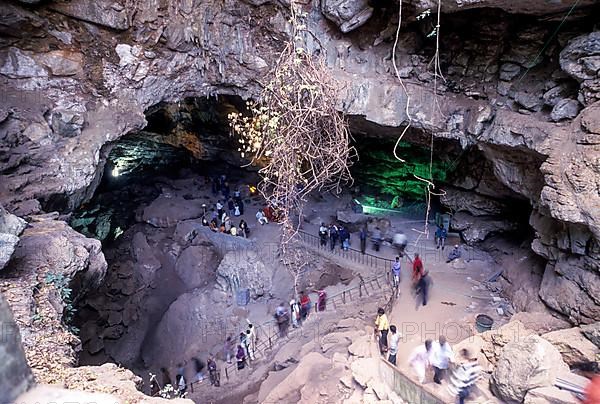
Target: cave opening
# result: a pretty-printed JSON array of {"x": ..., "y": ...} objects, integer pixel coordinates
[
  {"x": 160, "y": 177},
  {"x": 152, "y": 180}
]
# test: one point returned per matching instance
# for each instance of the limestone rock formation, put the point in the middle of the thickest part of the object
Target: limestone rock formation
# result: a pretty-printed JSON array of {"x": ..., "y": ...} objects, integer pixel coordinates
[
  {"x": 477, "y": 228},
  {"x": 15, "y": 375},
  {"x": 525, "y": 365},
  {"x": 489, "y": 345},
  {"x": 244, "y": 269},
  {"x": 575, "y": 348},
  {"x": 196, "y": 264},
  {"x": 11, "y": 227},
  {"x": 347, "y": 14},
  {"x": 185, "y": 329},
  {"x": 581, "y": 59},
  {"x": 592, "y": 332},
  {"x": 50, "y": 256},
  {"x": 544, "y": 395}
]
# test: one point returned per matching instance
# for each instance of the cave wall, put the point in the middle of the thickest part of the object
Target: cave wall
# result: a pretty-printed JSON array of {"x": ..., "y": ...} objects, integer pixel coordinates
[{"x": 77, "y": 76}]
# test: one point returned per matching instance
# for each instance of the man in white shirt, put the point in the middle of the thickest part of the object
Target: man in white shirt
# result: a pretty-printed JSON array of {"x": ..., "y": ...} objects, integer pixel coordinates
[
  {"x": 394, "y": 339},
  {"x": 419, "y": 360},
  {"x": 441, "y": 356}
]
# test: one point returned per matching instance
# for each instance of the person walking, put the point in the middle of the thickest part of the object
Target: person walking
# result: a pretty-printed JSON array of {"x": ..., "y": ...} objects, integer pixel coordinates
[
  {"x": 382, "y": 327},
  {"x": 344, "y": 238},
  {"x": 363, "y": 239},
  {"x": 465, "y": 376},
  {"x": 440, "y": 237},
  {"x": 323, "y": 235},
  {"x": 220, "y": 210},
  {"x": 421, "y": 286},
  {"x": 282, "y": 318},
  {"x": 213, "y": 373},
  {"x": 400, "y": 241},
  {"x": 180, "y": 380},
  {"x": 230, "y": 207},
  {"x": 251, "y": 339},
  {"x": 228, "y": 349},
  {"x": 321, "y": 300},
  {"x": 244, "y": 228},
  {"x": 394, "y": 340},
  {"x": 396, "y": 269},
  {"x": 305, "y": 305},
  {"x": 244, "y": 343},
  {"x": 419, "y": 360},
  {"x": 417, "y": 271},
  {"x": 240, "y": 357},
  {"x": 441, "y": 356},
  {"x": 376, "y": 238},
  {"x": 294, "y": 313},
  {"x": 333, "y": 235}
]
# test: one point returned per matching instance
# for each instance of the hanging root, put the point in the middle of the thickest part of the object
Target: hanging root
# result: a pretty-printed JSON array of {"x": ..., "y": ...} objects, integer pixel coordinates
[{"x": 296, "y": 134}]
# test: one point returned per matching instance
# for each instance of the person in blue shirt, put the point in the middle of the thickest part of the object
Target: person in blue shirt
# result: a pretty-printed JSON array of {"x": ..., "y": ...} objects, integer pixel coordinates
[
  {"x": 440, "y": 237},
  {"x": 396, "y": 272}
]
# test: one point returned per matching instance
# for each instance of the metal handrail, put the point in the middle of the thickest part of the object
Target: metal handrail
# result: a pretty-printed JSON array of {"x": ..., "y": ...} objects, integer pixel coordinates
[
  {"x": 351, "y": 254},
  {"x": 266, "y": 343}
]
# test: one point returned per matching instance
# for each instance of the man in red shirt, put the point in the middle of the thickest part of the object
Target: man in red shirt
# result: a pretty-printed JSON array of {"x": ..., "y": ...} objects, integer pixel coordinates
[
  {"x": 417, "y": 269},
  {"x": 304, "y": 305}
]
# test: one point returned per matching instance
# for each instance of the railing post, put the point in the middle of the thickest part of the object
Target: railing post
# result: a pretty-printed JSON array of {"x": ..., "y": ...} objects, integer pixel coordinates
[
  {"x": 344, "y": 297},
  {"x": 226, "y": 372}
]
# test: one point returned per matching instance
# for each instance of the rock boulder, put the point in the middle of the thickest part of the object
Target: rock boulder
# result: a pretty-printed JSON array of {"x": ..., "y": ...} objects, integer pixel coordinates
[
  {"x": 243, "y": 269},
  {"x": 592, "y": 332},
  {"x": 526, "y": 365},
  {"x": 575, "y": 349},
  {"x": 347, "y": 14},
  {"x": 196, "y": 265},
  {"x": 15, "y": 375},
  {"x": 11, "y": 227}
]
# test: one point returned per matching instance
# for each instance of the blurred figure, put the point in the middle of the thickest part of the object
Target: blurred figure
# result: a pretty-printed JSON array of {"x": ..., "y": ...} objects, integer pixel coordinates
[
  {"x": 419, "y": 360},
  {"x": 213, "y": 373},
  {"x": 333, "y": 235},
  {"x": 400, "y": 241},
  {"x": 592, "y": 391},
  {"x": 228, "y": 349},
  {"x": 363, "y": 239},
  {"x": 322, "y": 300},
  {"x": 261, "y": 218},
  {"x": 465, "y": 376},
  {"x": 376, "y": 238}
]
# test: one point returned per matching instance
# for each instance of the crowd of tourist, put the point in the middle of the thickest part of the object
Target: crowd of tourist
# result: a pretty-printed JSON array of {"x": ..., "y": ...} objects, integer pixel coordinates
[{"x": 436, "y": 356}]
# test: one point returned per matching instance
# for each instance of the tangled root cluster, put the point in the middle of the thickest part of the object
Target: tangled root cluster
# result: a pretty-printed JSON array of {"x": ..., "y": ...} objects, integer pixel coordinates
[{"x": 296, "y": 133}]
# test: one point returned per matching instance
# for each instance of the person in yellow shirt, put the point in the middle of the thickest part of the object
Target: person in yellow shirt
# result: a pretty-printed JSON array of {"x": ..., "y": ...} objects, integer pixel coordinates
[{"x": 382, "y": 327}]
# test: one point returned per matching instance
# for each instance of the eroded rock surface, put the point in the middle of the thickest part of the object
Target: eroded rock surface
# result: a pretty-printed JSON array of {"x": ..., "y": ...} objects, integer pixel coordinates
[{"x": 526, "y": 365}]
